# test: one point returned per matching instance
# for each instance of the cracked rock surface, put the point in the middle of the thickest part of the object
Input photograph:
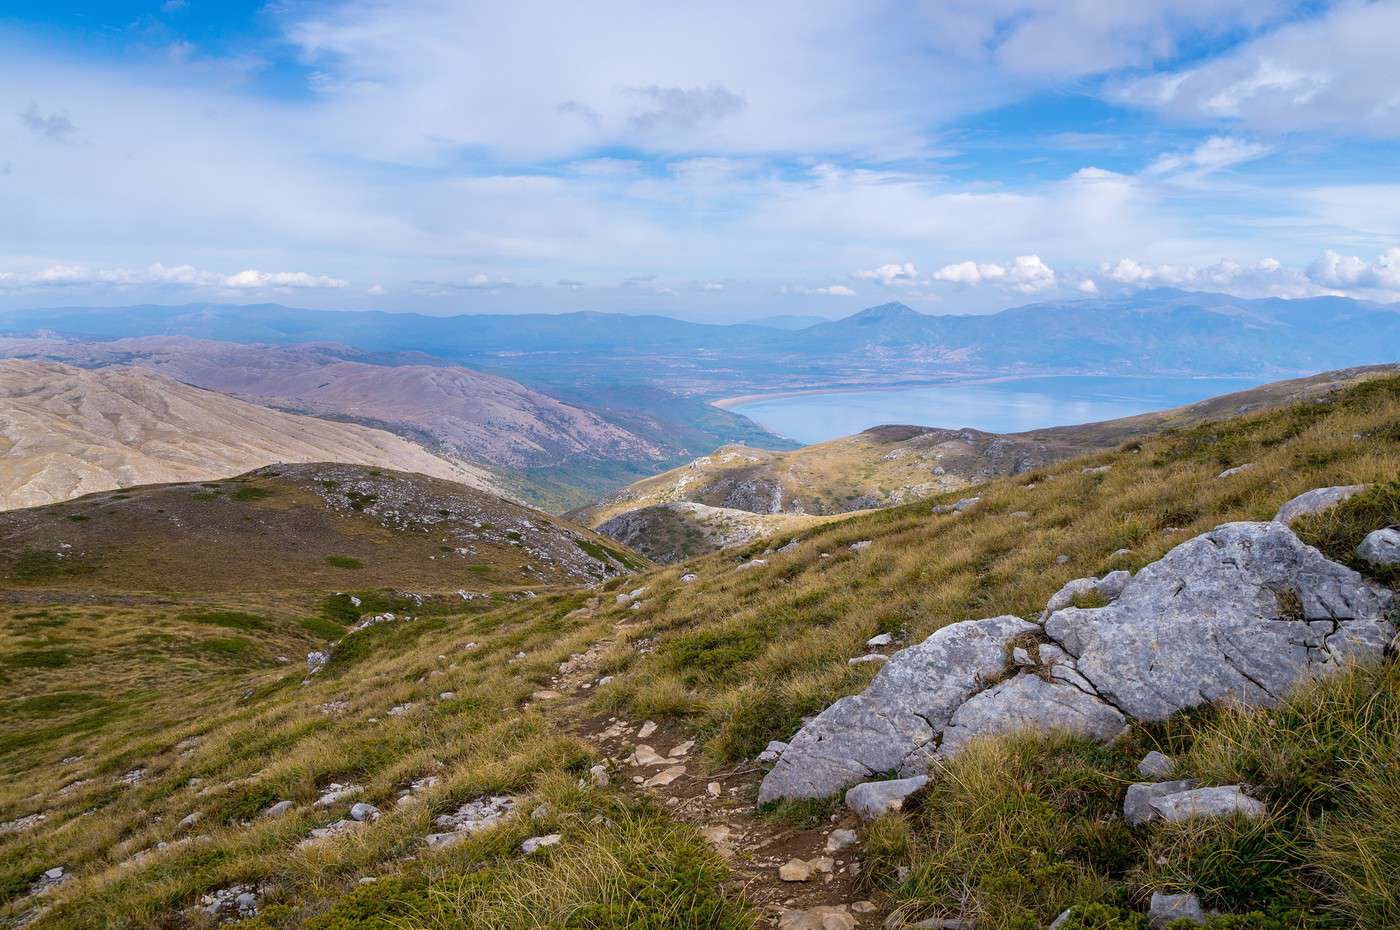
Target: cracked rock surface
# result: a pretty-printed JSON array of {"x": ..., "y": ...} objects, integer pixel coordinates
[{"x": 1243, "y": 612}]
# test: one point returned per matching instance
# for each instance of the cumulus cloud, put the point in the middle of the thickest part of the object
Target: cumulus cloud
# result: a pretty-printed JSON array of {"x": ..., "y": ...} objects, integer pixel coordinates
[
  {"x": 892, "y": 274},
  {"x": 1350, "y": 272},
  {"x": 1088, "y": 286},
  {"x": 1026, "y": 274},
  {"x": 832, "y": 290}
]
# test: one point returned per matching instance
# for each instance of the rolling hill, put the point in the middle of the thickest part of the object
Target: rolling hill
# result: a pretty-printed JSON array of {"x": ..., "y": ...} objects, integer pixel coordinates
[
  {"x": 886, "y": 466},
  {"x": 66, "y": 431}
]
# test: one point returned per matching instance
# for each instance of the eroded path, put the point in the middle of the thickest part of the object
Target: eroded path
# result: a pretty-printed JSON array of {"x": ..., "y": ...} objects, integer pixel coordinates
[{"x": 799, "y": 877}]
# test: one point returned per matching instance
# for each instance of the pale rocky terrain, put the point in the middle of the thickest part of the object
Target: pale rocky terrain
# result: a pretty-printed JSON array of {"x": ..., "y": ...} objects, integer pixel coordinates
[
  {"x": 66, "y": 432},
  {"x": 673, "y": 531}
]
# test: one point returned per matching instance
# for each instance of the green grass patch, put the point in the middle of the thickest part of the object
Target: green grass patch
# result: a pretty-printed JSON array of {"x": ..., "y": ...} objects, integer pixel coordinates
[
  {"x": 344, "y": 561},
  {"x": 41, "y": 565},
  {"x": 322, "y": 627},
  {"x": 39, "y": 658},
  {"x": 251, "y": 493},
  {"x": 230, "y": 619}
]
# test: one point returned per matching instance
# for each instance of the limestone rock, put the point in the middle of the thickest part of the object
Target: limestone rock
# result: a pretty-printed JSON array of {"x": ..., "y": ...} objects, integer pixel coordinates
[
  {"x": 822, "y": 917},
  {"x": 876, "y": 798},
  {"x": 1166, "y": 908},
  {"x": 315, "y": 661},
  {"x": 879, "y": 640},
  {"x": 1137, "y": 804},
  {"x": 1155, "y": 765},
  {"x": 1237, "y": 470},
  {"x": 1243, "y": 611},
  {"x": 890, "y": 726},
  {"x": 1108, "y": 587},
  {"x": 1381, "y": 547},
  {"x": 772, "y": 751},
  {"x": 278, "y": 809},
  {"x": 838, "y": 840},
  {"x": 1316, "y": 501},
  {"x": 1204, "y": 803},
  {"x": 1028, "y": 702},
  {"x": 795, "y": 870},
  {"x": 535, "y": 843},
  {"x": 364, "y": 812}
]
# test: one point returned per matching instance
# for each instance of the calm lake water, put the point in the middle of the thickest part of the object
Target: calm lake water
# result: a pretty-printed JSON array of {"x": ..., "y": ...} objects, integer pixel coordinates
[{"x": 1005, "y": 407}]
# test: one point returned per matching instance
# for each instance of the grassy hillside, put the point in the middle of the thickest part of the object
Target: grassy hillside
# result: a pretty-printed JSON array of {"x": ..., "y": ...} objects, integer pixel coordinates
[
  {"x": 1012, "y": 834},
  {"x": 892, "y": 465}
]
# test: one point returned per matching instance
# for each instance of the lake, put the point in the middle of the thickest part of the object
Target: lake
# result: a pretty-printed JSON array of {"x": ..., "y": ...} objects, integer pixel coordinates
[{"x": 1003, "y": 407}]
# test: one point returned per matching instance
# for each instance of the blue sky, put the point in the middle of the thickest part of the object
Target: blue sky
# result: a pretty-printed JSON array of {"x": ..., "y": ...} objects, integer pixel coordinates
[{"x": 718, "y": 161}]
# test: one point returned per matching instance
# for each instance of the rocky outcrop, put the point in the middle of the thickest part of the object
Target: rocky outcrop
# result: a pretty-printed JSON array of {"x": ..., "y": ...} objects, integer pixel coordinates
[
  {"x": 1243, "y": 612},
  {"x": 1381, "y": 547},
  {"x": 890, "y": 726}
]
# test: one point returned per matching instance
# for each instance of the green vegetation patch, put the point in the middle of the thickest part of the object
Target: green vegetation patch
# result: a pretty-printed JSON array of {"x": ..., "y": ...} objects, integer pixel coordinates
[
  {"x": 251, "y": 493},
  {"x": 230, "y": 619},
  {"x": 344, "y": 561},
  {"x": 1338, "y": 531},
  {"x": 322, "y": 627},
  {"x": 41, "y": 565},
  {"x": 39, "y": 658}
]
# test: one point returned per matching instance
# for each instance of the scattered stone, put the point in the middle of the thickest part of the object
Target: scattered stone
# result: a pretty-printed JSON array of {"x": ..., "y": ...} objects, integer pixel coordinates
[
  {"x": 73, "y": 786},
  {"x": 838, "y": 840},
  {"x": 540, "y": 812},
  {"x": 330, "y": 831},
  {"x": 1231, "y": 472},
  {"x": 646, "y": 755},
  {"x": 682, "y": 749},
  {"x": 447, "y": 696},
  {"x": 879, "y": 641},
  {"x": 545, "y": 695},
  {"x": 718, "y": 836},
  {"x": 364, "y": 813},
  {"x": 1155, "y": 765},
  {"x": 536, "y": 843},
  {"x": 753, "y": 563},
  {"x": 472, "y": 817},
  {"x": 795, "y": 870},
  {"x": 333, "y": 708},
  {"x": 1166, "y": 908},
  {"x": 867, "y": 658},
  {"x": 1316, "y": 501},
  {"x": 1137, "y": 803},
  {"x": 1020, "y": 515},
  {"x": 599, "y": 776},
  {"x": 23, "y": 823},
  {"x": 821, "y": 917},
  {"x": 646, "y": 730},
  {"x": 876, "y": 798},
  {"x": 278, "y": 809},
  {"x": 1120, "y": 553},
  {"x": 714, "y": 789},
  {"x": 236, "y": 902},
  {"x": 316, "y": 660},
  {"x": 398, "y": 710},
  {"x": 335, "y": 792},
  {"x": 664, "y": 777},
  {"x": 1063, "y": 919},
  {"x": 772, "y": 751},
  {"x": 689, "y": 578},
  {"x": 1381, "y": 547},
  {"x": 1206, "y": 803},
  {"x": 860, "y": 546},
  {"x": 134, "y": 777},
  {"x": 189, "y": 820},
  {"x": 1097, "y": 470},
  {"x": 864, "y": 907},
  {"x": 1061, "y": 559},
  {"x": 49, "y": 880}
]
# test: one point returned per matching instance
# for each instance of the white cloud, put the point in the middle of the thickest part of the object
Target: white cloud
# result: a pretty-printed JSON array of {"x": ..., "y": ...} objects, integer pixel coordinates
[
  {"x": 1088, "y": 286},
  {"x": 1215, "y": 154},
  {"x": 892, "y": 274},
  {"x": 832, "y": 290},
  {"x": 1335, "y": 72},
  {"x": 1026, "y": 274},
  {"x": 74, "y": 275},
  {"x": 376, "y": 290},
  {"x": 1350, "y": 272},
  {"x": 712, "y": 286}
]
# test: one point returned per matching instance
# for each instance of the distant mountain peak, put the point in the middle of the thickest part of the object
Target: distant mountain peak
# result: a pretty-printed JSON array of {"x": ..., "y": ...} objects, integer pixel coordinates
[{"x": 890, "y": 311}]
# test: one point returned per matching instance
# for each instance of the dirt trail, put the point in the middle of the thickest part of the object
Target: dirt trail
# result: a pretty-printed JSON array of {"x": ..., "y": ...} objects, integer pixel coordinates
[{"x": 663, "y": 761}]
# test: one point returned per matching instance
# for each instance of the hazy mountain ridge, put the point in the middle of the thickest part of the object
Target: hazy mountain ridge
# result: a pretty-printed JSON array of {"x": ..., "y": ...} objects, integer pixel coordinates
[{"x": 66, "y": 431}]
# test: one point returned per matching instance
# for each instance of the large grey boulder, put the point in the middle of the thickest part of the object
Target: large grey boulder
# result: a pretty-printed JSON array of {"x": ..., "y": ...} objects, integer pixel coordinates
[
  {"x": 1316, "y": 501},
  {"x": 1166, "y": 909},
  {"x": 1061, "y": 701},
  {"x": 1381, "y": 547},
  {"x": 1243, "y": 611},
  {"x": 889, "y": 727}
]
